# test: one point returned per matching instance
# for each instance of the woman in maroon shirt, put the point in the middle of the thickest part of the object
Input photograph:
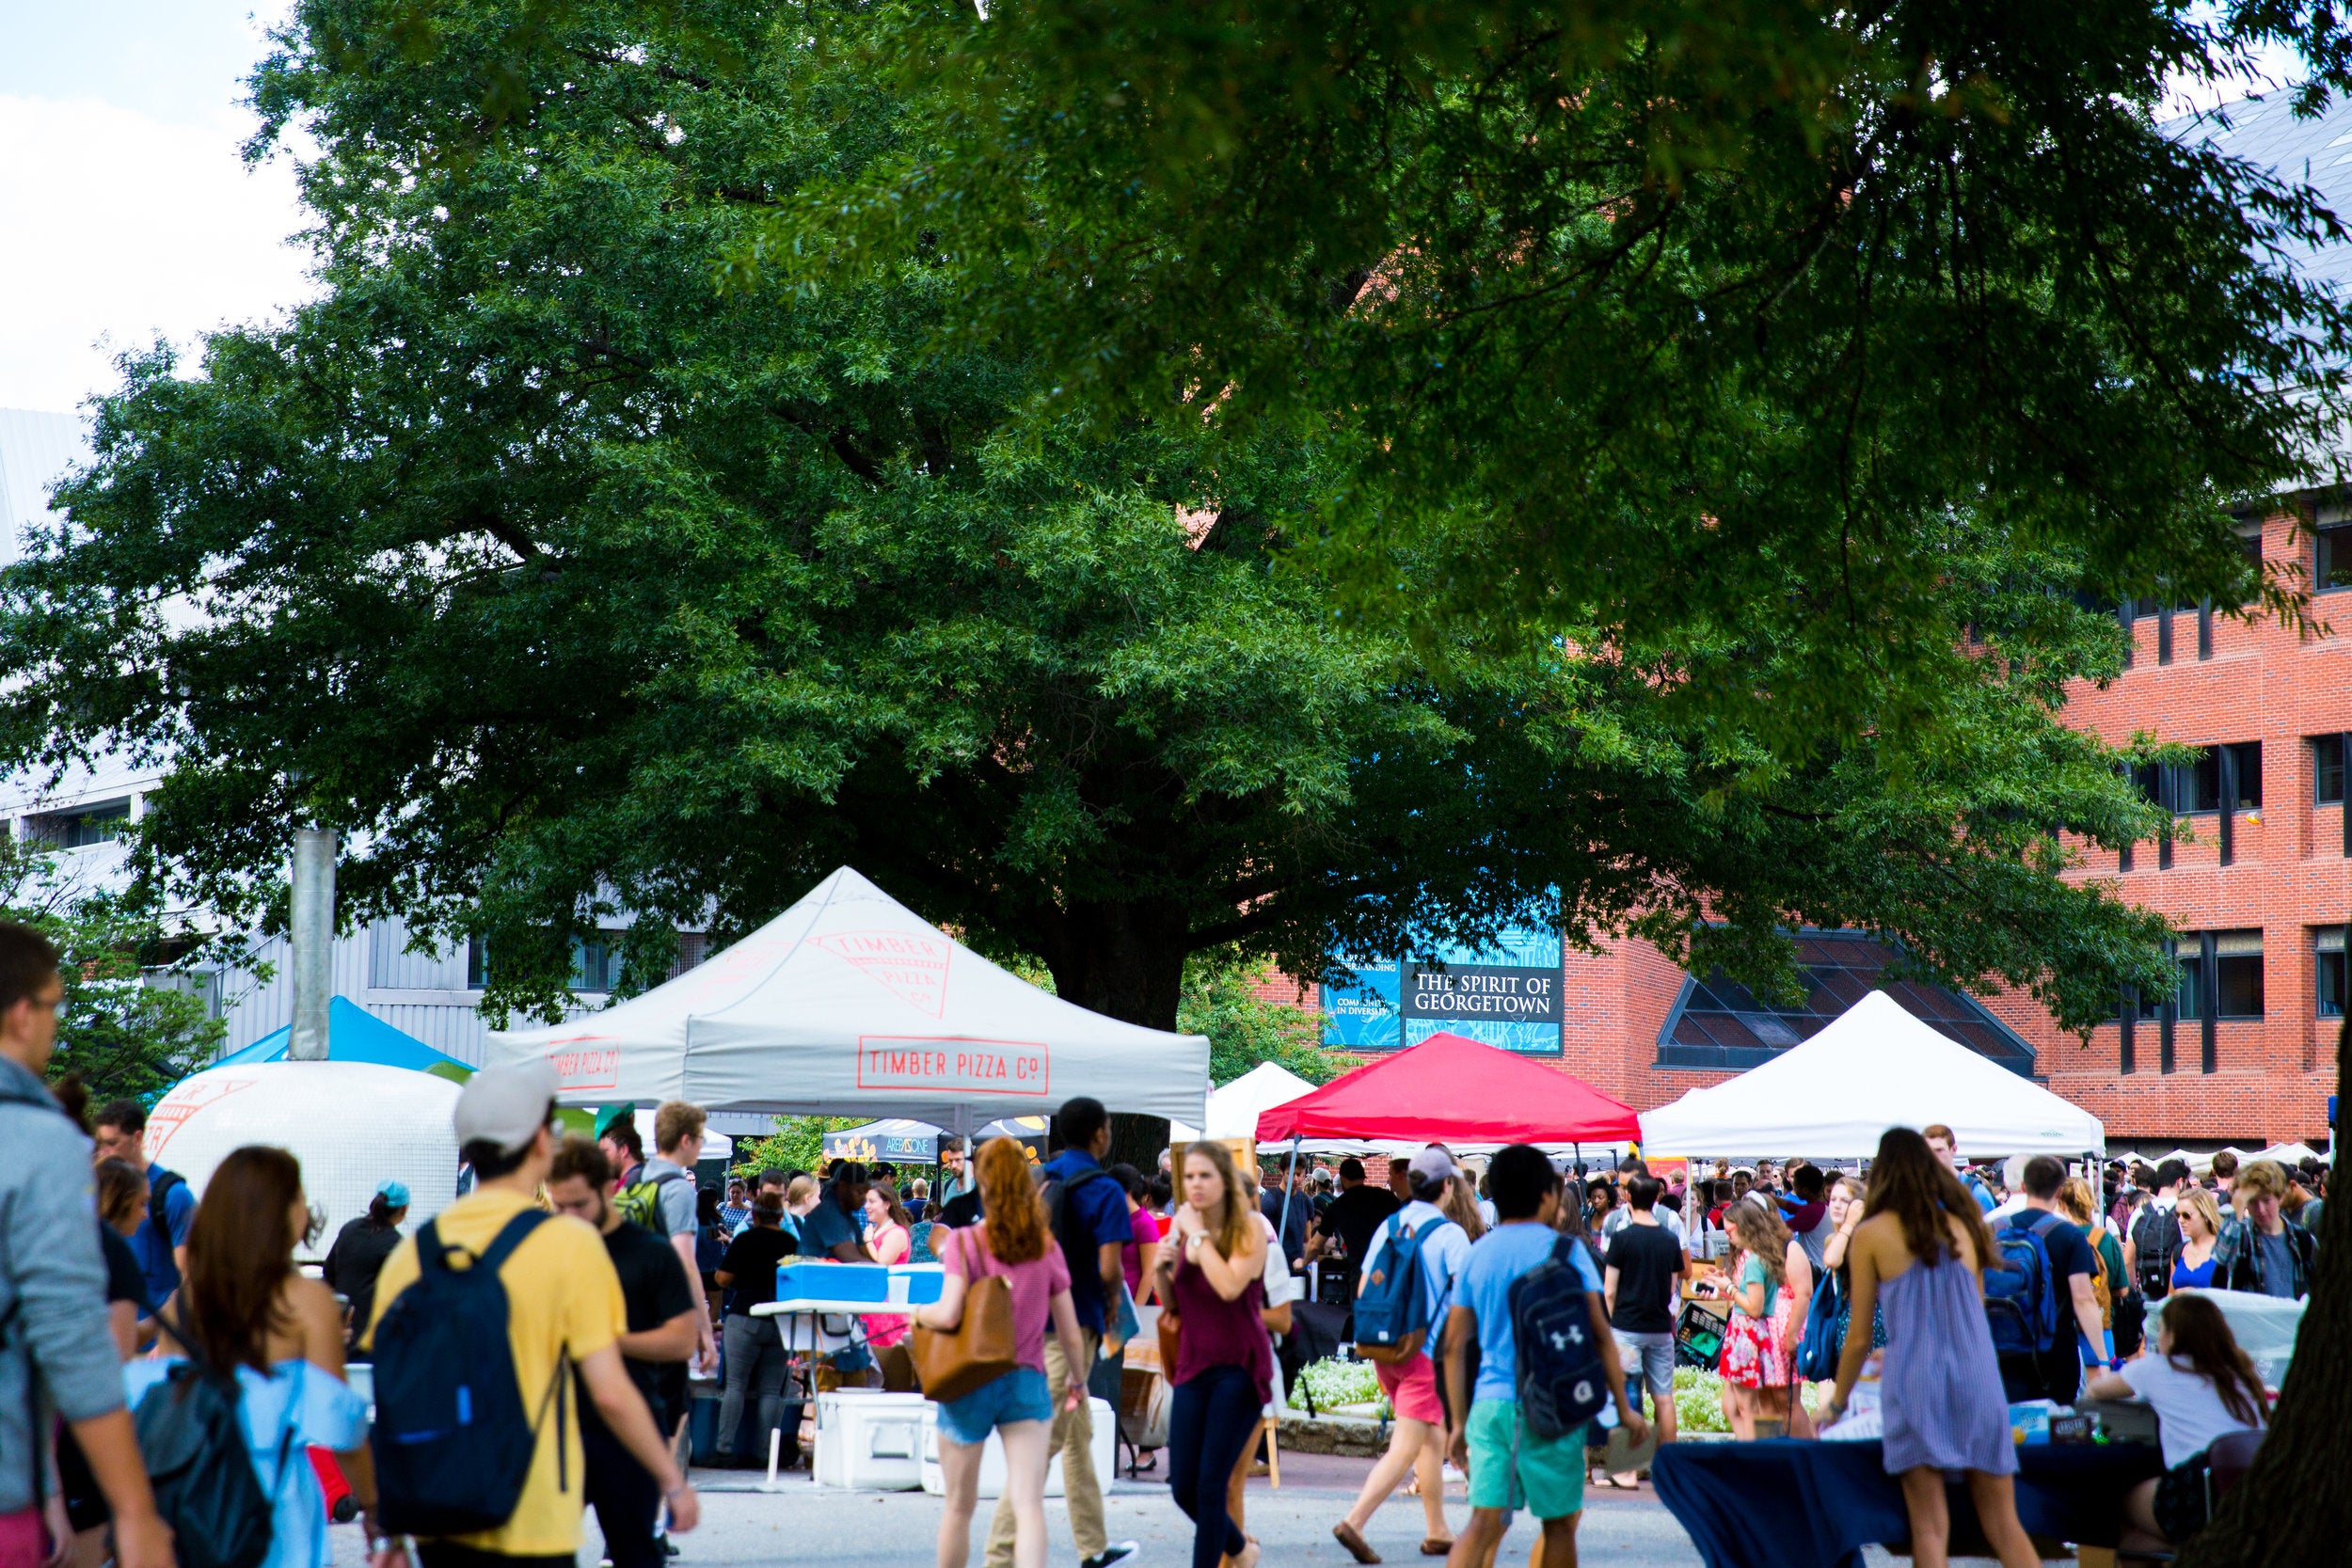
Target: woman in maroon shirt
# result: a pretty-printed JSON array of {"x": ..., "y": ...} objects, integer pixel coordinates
[{"x": 1207, "y": 1275}]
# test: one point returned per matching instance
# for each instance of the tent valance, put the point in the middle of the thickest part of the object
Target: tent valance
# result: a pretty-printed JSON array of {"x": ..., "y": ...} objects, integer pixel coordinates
[
  {"x": 1454, "y": 1090},
  {"x": 1876, "y": 1066},
  {"x": 849, "y": 1003}
]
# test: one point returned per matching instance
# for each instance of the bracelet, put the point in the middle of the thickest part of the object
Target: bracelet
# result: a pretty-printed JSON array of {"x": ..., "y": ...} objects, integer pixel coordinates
[
  {"x": 681, "y": 1486},
  {"x": 388, "y": 1543}
]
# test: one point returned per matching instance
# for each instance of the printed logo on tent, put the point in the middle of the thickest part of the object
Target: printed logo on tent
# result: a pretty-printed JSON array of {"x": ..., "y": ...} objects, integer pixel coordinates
[
  {"x": 174, "y": 1109},
  {"x": 909, "y": 965},
  {"x": 582, "y": 1063},
  {"x": 993, "y": 1067}
]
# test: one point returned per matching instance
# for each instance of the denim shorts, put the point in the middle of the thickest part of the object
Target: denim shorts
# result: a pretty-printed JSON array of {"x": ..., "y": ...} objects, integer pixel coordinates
[
  {"x": 1020, "y": 1395},
  {"x": 1652, "y": 1357}
]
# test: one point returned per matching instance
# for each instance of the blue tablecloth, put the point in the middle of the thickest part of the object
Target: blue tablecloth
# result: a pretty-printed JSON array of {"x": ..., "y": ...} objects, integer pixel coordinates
[{"x": 1785, "y": 1503}]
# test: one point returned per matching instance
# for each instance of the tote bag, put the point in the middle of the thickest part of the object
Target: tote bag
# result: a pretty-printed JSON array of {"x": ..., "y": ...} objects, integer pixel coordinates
[{"x": 954, "y": 1362}]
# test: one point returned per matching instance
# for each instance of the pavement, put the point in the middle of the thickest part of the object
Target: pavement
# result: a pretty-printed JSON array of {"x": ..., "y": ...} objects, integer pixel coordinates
[{"x": 802, "y": 1526}]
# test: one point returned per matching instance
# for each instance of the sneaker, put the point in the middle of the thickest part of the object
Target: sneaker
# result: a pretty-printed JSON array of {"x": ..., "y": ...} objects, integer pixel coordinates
[
  {"x": 669, "y": 1547},
  {"x": 1118, "y": 1551}
]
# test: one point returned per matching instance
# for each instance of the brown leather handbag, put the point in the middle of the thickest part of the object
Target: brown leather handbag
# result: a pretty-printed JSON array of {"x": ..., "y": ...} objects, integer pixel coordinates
[{"x": 952, "y": 1362}]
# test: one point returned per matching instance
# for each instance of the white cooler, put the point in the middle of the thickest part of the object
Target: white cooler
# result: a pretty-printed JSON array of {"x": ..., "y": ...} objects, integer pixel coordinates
[
  {"x": 1106, "y": 1448},
  {"x": 869, "y": 1441}
]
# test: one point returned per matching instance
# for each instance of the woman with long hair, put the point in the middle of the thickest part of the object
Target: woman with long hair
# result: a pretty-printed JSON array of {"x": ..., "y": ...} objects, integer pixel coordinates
[
  {"x": 1209, "y": 1277},
  {"x": 1771, "y": 1285},
  {"x": 1013, "y": 1241},
  {"x": 2200, "y": 1219},
  {"x": 2080, "y": 1206},
  {"x": 2202, "y": 1387},
  {"x": 890, "y": 1237},
  {"x": 244, "y": 1308},
  {"x": 1922, "y": 1249},
  {"x": 1460, "y": 1205}
]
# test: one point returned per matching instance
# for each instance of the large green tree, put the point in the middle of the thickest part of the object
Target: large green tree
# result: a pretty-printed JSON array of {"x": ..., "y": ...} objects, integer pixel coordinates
[{"x": 570, "y": 584}]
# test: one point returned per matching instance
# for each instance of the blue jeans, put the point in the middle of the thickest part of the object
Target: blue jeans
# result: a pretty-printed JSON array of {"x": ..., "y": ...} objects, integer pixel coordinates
[{"x": 1210, "y": 1421}]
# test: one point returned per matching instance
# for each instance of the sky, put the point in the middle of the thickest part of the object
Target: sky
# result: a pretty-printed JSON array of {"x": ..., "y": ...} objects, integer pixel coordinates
[{"x": 126, "y": 209}]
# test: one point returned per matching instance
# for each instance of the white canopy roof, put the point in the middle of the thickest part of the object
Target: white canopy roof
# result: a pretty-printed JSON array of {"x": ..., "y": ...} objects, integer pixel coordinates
[
  {"x": 1874, "y": 1068},
  {"x": 849, "y": 1003},
  {"x": 1233, "y": 1109}
]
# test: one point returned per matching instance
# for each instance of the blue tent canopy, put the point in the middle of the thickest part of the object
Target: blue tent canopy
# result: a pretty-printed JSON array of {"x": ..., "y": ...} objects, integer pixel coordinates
[{"x": 355, "y": 1034}]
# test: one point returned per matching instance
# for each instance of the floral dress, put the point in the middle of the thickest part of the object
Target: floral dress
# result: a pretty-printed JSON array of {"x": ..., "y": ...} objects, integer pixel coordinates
[{"x": 1752, "y": 1357}]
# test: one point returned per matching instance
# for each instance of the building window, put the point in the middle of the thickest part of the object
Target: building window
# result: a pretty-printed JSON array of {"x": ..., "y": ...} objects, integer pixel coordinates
[
  {"x": 597, "y": 965},
  {"x": 2326, "y": 769},
  {"x": 79, "y": 828},
  {"x": 2229, "y": 985},
  {"x": 2332, "y": 567},
  {"x": 2327, "y": 955},
  {"x": 2238, "y": 974},
  {"x": 2197, "y": 786},
  {"x": 477, "y": 964}
]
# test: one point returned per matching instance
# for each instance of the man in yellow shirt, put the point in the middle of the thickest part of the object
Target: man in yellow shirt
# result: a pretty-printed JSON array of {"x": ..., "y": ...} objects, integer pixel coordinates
[{"x": 563, "y": 1299}]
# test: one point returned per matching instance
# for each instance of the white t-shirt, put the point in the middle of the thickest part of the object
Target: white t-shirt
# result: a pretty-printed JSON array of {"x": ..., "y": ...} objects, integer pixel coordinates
[
  {"x": 2189, "y": 1412},
  {"x": 1276, "y": 1276},
  {"x": 1442, "y": 1250}
]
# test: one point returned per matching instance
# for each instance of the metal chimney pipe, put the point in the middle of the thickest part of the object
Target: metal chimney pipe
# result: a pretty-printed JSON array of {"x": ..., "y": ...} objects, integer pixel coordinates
[{"x": 312, "y": 937}]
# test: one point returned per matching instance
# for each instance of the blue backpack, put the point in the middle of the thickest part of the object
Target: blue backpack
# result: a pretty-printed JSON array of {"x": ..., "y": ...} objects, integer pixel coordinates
[
  {"x": 1560, "y": 1380},
  {"x": 1824, "y": 1342},
  {"x": 452, "y": 1443},
  {"x": 2021, "y": 1294},
  {"x": 1392, "y": 1314}
]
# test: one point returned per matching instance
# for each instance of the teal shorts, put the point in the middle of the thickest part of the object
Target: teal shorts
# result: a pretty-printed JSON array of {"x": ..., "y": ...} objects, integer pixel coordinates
[{"x": 1510, "y": 1467}]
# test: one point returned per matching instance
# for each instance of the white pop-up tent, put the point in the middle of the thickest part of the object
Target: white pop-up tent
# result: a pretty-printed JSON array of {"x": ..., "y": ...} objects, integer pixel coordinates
[
  {"x": 1874, "y": 1068},
  {"x": 849, "y": 1003},
  {"x": 1233, "y": 1109}
]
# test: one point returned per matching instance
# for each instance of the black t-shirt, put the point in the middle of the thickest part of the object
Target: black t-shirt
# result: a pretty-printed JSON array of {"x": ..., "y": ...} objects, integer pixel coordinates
[
  {"x": 1355, "y": 1214},
  {"x": 1646, "y": 1257},
  {"x": 962, "y": 1211},
  {"x": 125, "y": 1279},
  {"x": 653, "y": 1291},
  {"x": 751, "y": 1265},
  {"x": 355, "y": 1260},
  {"x": 2071, "y": 1253}
]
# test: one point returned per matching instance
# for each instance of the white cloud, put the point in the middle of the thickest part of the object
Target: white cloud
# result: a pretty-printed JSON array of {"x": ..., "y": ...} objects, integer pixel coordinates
[{"x": 120, "y": 227}]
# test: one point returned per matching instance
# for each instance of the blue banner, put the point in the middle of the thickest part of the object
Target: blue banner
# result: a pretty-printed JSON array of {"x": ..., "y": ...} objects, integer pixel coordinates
[{"x": 1507, "y": 995}]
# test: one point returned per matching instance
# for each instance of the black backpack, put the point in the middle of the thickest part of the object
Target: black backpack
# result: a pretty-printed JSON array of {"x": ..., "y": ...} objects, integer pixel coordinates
[
  {"x": 1561, "y": 1382},
  {"x": 192, "y": 1441},
  {"x": 452, "y": 1443},
  {"x": 2156, "y": 1243}
]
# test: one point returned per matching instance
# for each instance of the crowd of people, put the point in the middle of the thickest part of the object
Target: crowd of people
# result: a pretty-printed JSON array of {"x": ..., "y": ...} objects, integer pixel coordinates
[{"x": 1957, "y": 1290}]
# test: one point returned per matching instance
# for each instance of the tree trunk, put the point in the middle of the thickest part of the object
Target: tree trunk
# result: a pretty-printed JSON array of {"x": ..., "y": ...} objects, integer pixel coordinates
[
  {"x": 2295, "y": 1508},
  {"x": 1125, "y": 962}
]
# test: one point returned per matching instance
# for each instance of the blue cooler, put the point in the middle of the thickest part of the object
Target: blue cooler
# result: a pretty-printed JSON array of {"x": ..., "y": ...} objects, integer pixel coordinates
[{"x": 832, "y": 1282}]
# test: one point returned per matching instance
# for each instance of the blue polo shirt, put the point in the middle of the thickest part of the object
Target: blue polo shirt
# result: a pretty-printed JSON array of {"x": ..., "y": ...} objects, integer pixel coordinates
[{"x": 1097, "y": 1216}]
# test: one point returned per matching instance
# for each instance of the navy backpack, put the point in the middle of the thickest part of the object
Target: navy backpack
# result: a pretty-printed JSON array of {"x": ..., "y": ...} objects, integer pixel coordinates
[
  {"x": 1561, "y": 1382},
  {"x": 453, "y": 1442},
  {"x": 2021, "y": 1293}
]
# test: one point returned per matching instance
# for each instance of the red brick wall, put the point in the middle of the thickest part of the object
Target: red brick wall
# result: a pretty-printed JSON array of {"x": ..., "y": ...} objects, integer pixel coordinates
[{"x": 2264, "y": 682}]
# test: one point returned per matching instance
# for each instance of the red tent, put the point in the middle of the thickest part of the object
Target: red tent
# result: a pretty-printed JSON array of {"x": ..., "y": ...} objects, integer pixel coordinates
[{"x": 1453, "y": 1089}]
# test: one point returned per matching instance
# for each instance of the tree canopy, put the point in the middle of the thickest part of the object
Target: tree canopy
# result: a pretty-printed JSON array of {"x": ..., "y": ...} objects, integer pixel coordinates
[{"x": 579, "y": 590}]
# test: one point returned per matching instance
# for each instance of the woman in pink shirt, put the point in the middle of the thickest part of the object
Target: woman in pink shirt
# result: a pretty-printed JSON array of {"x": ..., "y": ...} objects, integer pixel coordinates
[
  {"x": 1013, "y": 1241},
  {"x": 888, "y": 1237}
]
